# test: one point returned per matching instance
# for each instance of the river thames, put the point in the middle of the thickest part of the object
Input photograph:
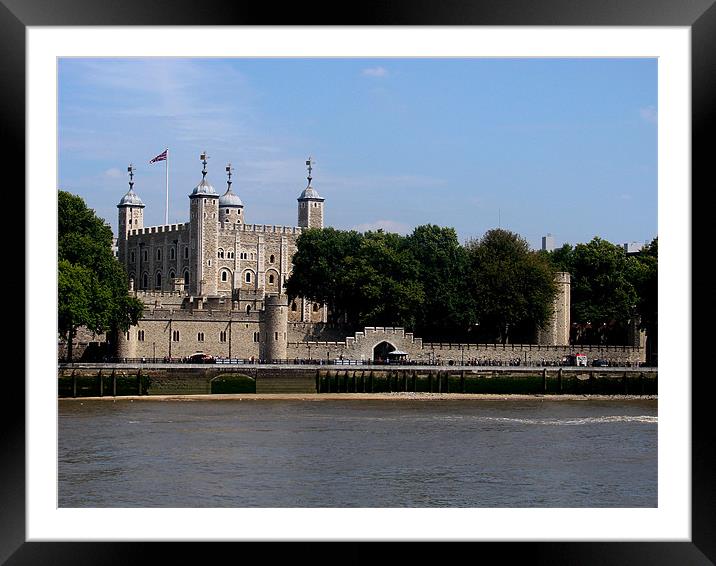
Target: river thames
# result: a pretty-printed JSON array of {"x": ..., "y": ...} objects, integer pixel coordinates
[{"x": 350, "y": 453}]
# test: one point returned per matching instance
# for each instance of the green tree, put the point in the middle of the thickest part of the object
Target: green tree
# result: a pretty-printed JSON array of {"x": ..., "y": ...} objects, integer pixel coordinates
[
  {"x": 604, "y": 298},
  {"x": 442, "y": 270},
  {"x": 92, "y": 285},
  {"x": 644, "y": 276},
  {"x": 513, "y": 287}
]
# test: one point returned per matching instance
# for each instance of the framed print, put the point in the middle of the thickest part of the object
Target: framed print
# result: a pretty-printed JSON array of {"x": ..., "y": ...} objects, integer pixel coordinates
[{"x": 37, "y": 35}]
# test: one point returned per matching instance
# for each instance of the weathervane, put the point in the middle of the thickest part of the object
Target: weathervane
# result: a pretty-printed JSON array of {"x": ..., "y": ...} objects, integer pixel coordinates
[
  {"x": 229, "y": 169},
  {"x": 204, "y": 157},
  {"x": 310, "y": 163},
  {"x": 130, "y": 170}
]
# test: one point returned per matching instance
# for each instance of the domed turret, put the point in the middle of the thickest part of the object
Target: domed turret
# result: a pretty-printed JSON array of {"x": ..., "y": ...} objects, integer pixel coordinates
[
  {"x": 230, "y": 205},
  {"x": 204, "y": 188},
  {"x": 310, "y": 204},
  {"x": 131, "y": 198}
]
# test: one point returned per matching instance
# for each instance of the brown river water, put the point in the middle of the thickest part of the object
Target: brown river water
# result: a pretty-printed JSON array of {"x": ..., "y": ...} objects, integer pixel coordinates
[{"x": 335, "y": 453}]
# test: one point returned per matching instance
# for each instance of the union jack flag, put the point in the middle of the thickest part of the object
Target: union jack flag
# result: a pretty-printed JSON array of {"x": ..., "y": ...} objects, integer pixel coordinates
[{"x": 161, "y": 157}]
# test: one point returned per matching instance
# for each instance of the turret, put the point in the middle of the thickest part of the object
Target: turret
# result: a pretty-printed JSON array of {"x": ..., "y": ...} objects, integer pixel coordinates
[
  {"x": 556, "y": 330},
  {"x": 231, "y": 209},
  {"x": 203, "y": 226},
  {"x": 130, "y": 217},
  {"x": 310, "y": 204},
  {"x": 274, "y": 328}
]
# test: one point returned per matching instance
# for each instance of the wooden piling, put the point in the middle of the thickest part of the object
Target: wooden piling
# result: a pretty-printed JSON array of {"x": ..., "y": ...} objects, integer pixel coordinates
[
  {"x": 114, "y": 384},
  {"x": 415, "y": 380},
  {"x": 101, "y": 383},
  {"x": 440, "y": 382},
  {"x": 139, "y": 382},
  {"x": 559, "y": 380},
  {"x": 370, "y": 377},
  {"x": 544, "y": 380},
  {"x": 318, "y": 381},
  {"x": 462, "y": 381},
  {"x": 625, "y": 381},
  {"x": 430, "y": 381},
  {"x": 641, "y": 382},
  {"x": 74, "y": 384},
  {"x": 405, "y": 380},
  {"x": 362, "y": 380}
]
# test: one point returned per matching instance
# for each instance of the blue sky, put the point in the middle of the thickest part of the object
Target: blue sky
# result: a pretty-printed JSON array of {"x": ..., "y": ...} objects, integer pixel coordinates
[{"x": 536, "y": 146}]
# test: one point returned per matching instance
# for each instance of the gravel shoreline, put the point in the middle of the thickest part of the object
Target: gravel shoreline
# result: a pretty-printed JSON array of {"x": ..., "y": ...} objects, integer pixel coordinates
[{"x": 365, "y": 396}]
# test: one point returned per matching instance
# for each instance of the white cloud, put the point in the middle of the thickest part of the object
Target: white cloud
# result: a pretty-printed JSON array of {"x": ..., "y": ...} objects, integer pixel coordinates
[
  {"x": 113, "y": 173},
  {"x": 375, "y": 72},
  {"x": 649, "y": 114},
  {"x": 386, "y": 225}
]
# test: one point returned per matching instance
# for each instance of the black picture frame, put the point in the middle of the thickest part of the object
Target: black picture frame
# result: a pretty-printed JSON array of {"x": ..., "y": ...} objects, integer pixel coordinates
[{"x": 699, "y": 15}]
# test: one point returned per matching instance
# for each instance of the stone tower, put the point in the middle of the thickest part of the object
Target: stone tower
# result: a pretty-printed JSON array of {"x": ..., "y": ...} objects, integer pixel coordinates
[
  {"x": 556, "y": 331},
  {"x": 231, "y": 209},
  {"x": 275, "y": 327},
  {"x": 131, "y": 217},
  {"x": 204, "y": 231},
  {"x": 310, "y": 204}
]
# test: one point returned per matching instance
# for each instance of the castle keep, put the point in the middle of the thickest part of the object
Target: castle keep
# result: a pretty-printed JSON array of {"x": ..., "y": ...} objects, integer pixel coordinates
[{"x": 215, "y": 284}]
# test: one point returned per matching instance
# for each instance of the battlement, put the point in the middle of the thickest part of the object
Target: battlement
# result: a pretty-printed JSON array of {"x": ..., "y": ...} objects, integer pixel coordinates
[
  {"x": 159, "y": 229},
  {"x": 259, "y": 228}
]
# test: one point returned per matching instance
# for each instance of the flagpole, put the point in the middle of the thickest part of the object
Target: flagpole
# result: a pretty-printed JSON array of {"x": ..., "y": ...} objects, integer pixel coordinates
[{"x": 166, "y": 210}]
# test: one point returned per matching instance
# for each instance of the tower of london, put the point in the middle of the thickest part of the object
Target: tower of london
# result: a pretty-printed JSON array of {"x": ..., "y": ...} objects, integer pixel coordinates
[
  {"x": 206, "y": 283},
  {"x": 216, "y": 284}
]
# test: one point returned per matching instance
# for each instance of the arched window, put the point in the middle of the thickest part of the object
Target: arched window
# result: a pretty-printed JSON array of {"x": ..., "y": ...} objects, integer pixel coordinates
[
  {"x": 131, "y": 257},
  {"x": 186, "y": 252},
  {"x": 172, "y": 275},
  {"x": 294, "y": 307},
  {"x": 172, "y": 253},
  {"x": 145, "y": 280},
  {"x": 159, "y": 255},
  {"x": 224, "y": 276},
  {"x": 248, "y": 277},
  {"x": 248, "y": 309},
  {"x": 158, "y": 283},
  {"x": 272, "y": 258},
  {"x": 220, "y": 253},
  {"x": 315, "y": 307},
  {"x": 271, "y": 279},
  {"x": 186, "y": 278}
]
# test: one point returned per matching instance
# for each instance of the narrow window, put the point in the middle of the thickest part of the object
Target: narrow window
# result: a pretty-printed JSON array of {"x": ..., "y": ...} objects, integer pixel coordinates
[
  {"x": 272, "y": 259},
  {"x": 172, "y": 253},
  {"x": 224, "y": 276},
  {"x": 222, "y": 336},
  {"x": 271, "y": 279},
  {"x": 158, "y": 284},
  {"x": 186, "y": 252},
  {"x": 248, "y": 309},
  {"x": 248, "y": 277},
  {"x": 293, "y": 306},
  {"x": 200, "y": 337},
  {"x": 175, "y": 336},
  {"x": 131, "y": 257},
  {"x": 186, "y": 278},
  {"x": 159, "y": 255},
  {"x": 140, "y": 335}
]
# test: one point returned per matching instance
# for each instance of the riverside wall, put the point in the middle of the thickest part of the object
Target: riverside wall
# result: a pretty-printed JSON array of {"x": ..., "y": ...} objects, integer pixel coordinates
[{"x": 99, "y": 380}]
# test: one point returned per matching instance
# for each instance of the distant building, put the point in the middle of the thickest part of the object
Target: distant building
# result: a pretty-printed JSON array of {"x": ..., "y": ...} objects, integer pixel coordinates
[
  {"x": 548, "y": 243},
  {"x": 633, "y": 247}
]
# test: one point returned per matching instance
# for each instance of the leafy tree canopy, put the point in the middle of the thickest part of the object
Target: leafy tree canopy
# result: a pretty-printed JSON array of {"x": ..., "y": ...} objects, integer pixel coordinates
[{"x": 92, "y": 285}]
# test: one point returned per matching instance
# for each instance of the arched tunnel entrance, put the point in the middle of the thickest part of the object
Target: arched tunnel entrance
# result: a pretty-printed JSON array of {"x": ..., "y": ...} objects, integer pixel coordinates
[{"x": 380, "y": 352}]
